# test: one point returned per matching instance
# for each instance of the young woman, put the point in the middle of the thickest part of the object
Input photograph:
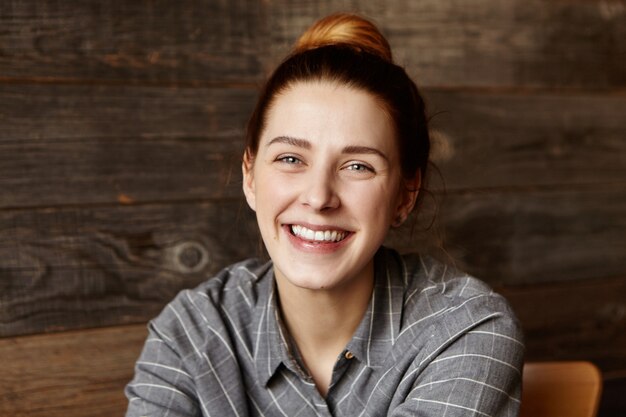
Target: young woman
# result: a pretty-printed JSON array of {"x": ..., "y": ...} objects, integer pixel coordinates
[{"x": 335, "y": 324}]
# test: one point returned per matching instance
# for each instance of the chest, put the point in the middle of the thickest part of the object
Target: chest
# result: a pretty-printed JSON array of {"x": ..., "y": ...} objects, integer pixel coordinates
[{"x": 355, "y": 390}]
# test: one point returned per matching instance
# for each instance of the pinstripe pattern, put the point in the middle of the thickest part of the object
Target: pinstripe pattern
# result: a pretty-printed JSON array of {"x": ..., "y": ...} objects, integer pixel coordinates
[{"x": 433, "y": 342}]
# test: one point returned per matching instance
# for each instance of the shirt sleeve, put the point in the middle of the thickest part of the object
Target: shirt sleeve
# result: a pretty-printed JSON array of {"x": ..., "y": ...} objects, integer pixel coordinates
[
  {"x": 477, "y": 372},
  {"x": 162, "y": 384}
]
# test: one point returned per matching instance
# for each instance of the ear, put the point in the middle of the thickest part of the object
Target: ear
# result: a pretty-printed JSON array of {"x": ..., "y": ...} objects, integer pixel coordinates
[
  {"x": 249, "y": 190},
  {"x": 407, "y": 198}
]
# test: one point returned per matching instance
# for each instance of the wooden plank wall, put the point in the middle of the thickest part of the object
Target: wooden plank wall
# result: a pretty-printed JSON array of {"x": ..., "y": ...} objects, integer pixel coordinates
[{"x": 121, "y": 128}]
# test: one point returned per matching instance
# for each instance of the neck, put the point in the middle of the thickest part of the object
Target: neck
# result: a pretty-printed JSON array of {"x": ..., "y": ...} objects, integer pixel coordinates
[
  {"x": 322, "y": 322},
  {"x": 310, "y": 313}
]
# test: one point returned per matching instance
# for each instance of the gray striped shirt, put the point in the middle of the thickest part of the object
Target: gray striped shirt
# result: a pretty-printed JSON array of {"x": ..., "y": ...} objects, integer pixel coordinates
[{"x": 433, "y": 342}]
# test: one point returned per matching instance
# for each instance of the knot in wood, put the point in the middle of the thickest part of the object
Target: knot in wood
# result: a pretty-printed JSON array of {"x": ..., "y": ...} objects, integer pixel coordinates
[{"x": 190, "y": 256}]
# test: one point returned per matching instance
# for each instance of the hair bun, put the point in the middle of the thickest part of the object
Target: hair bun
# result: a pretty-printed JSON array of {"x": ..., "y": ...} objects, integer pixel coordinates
[{"x": 348, "y": 30}]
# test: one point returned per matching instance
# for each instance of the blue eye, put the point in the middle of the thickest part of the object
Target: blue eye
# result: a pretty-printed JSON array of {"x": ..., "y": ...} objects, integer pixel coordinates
[
  {"x": 359, "y": 167},
  {"x": 289, "y": 159}
]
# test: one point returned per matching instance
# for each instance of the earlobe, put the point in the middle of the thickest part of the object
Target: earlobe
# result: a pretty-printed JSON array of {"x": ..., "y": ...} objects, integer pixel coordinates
[
  {"x": 408, "y": 197},
  {"x": 247, "y": 170}
]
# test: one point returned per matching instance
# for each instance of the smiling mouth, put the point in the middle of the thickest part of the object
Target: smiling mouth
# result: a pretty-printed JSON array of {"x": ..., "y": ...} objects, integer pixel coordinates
[{"x": 318, "y": 235}]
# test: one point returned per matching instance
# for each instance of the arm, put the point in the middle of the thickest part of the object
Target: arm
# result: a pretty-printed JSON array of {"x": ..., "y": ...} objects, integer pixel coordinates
[
  {"x": 188, "y": 366},
  {"x": 162, "y": 384},
  {"x": 478, "y": 372}
]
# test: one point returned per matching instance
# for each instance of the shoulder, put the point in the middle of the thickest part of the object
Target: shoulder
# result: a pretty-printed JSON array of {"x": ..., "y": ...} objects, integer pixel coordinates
[
  {"x": 446, "y": 285},
  {"x": 439, "y": 294},
  {"x": 239, "y": 281},
  {"x": 459, "y": 337},
  {"x": 213, "y": 307},
  {"x": 195, "y": 350}
]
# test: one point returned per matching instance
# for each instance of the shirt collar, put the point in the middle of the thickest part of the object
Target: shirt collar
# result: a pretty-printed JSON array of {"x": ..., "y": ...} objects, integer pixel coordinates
[
  {"x": 374, "y": 338},
  {"x": 372, "y": 341},
  {"x": 271, "y": 348}
]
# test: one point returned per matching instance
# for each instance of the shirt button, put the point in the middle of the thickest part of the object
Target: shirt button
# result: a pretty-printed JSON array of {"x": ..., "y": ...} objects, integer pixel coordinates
[{"x": 349, "y": 355}]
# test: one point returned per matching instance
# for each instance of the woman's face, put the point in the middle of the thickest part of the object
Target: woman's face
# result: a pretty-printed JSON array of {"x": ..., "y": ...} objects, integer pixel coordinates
[{"x": 325, "y": 184}]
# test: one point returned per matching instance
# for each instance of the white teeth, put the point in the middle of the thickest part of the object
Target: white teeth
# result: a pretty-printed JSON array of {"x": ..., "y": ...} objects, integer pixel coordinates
[{"x": 318, "y": 236}]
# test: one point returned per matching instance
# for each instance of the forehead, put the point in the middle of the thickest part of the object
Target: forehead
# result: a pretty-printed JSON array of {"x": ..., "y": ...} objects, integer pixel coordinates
[{"x": 329, "y": 112}]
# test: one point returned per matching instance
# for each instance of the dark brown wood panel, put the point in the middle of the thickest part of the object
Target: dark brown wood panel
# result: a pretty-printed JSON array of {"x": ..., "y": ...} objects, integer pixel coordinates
[
  {"x": 33, "y": 112},
  {"x": 139, "y": 41},
  {"x": 579, "y": 320},
  {"x": 484, "y": 42},
  {"x": 613, "y": 402},
  {"x": 574, "y": 320},
  {"x": 530, "y": 238},
  {"x": 121, "y": 264},
  {"x": 495, "y": 139},
  {"x": 63, "y": 144},
  {"x": 72, "y": 374},
  {"x": 85, "y": 267}
]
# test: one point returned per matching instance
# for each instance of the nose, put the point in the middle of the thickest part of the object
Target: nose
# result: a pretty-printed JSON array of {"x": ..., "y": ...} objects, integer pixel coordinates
[{"x": 320, "y": 192}]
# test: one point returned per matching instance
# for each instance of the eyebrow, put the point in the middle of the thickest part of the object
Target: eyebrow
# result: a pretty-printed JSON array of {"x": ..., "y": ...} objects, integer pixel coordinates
[
  {"x": 301, "y": 143},
  {"x": 350, "y": 149},
  {"x": 363, "y": 150}
]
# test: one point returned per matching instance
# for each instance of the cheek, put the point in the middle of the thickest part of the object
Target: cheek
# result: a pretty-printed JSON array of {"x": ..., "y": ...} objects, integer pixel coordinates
[
  {"x": 272, "y": 194},
  {"x": 374, "y": 202}
]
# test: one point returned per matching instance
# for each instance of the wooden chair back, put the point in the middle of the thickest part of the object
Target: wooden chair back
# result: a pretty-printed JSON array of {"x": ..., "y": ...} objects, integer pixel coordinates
[{"x": 560, "y": 389}]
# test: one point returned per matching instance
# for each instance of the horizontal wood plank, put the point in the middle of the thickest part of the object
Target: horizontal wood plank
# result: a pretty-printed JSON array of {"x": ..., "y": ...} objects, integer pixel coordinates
[
  {"x": 533, "y": 238},
  {"x": 49, "y": 113},
  {"x": 487, "y": 140},
  {"x": 97, "y": 144},
  {"x": 613, "y": 402},
  {"x": 129, "y": 42},
  {"x": 76, "y": 267},
  {"x": 73, "y": 374},
  {"x": 484, "y": 43},
  {"x": 519, "y": 238},
  {"x": 130, "y": 260},
  {"x": 580, "y": 320},
  {"x": 575, "y": 320},
  {"x": 64, "y": 144},
  {"x": 523, "y": 43}
]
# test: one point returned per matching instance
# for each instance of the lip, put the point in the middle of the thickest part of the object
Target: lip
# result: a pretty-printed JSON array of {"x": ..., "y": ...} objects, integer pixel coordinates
[{"x": 316, "y": 247}]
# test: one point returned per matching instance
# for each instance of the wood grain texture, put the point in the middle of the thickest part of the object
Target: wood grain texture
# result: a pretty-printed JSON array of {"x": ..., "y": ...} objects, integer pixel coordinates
[
  {"x": 521, "y": 43},
  {"x": 529, "y": 237},
  {"x": 581, "y": 320},
  {"x": 75, "y": 267},
  {"x": 141, "y": 41},
  {"x": 73, "y": 374},
  {"x": 613, "y": 402},
  {"x": 485, "y": 43},
  {"x": 63, "y": 144},
  {"x": 497, "y": 139},
  {"x": 116, "y": 262}
]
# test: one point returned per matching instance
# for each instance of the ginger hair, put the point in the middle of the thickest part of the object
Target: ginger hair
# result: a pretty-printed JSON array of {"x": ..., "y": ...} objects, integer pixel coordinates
[{"x": 345, "y": 29}]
